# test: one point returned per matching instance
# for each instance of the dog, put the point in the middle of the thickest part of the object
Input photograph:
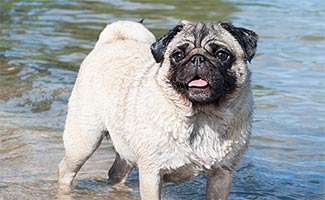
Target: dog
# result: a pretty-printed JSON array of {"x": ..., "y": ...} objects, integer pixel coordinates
[{"x": 174, "y": 107}]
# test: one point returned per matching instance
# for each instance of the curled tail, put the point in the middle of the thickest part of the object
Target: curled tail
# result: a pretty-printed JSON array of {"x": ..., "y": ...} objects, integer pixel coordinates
[{"x": 125, "y": 30}]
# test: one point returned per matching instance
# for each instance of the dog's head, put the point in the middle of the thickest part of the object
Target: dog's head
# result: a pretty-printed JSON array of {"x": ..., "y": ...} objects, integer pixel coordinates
[{"x": 205, "y": 61}]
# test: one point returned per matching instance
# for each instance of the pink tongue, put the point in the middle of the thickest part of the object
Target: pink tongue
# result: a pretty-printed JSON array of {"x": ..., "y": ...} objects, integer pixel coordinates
[{"x": 198, "y": 83}]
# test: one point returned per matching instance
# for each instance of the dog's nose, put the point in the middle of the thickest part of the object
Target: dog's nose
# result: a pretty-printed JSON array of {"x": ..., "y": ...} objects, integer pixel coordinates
[{"x": 197, "y": 60}]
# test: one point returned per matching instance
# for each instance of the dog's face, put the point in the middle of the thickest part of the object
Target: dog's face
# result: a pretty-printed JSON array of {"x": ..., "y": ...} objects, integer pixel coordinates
[{"x": 205, "y": 61}]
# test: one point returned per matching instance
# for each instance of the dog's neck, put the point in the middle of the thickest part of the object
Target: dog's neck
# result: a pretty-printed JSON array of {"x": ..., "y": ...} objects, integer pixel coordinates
[{"x": 167, "y": 90}]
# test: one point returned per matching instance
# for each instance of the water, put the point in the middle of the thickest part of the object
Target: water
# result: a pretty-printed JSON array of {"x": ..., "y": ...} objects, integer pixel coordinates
[{"x": 43, "y": 42}]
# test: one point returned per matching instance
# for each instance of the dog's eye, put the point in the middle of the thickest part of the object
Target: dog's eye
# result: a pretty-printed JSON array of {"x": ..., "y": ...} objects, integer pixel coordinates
[
  {"x": 222, "y": 55},
  {"x": 178, "y": 55}
]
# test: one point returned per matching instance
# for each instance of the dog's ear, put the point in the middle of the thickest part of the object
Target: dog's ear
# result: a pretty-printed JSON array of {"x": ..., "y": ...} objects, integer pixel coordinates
[
  {"x": 158, "y": 48},
  {"x": 246, "y": 38}
]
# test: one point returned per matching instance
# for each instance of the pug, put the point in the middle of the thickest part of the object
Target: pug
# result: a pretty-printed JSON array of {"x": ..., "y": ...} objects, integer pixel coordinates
[{"x": 174, "y": 107}]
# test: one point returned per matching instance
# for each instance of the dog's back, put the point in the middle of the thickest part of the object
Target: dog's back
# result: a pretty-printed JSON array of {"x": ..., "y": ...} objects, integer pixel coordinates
[
  {"x": 125, "y": 30},
  {"x": 107, "y": 70}
]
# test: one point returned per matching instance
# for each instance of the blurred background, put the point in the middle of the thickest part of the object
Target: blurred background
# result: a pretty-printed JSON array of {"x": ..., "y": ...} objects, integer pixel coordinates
[{"x": 42, "y": 44}]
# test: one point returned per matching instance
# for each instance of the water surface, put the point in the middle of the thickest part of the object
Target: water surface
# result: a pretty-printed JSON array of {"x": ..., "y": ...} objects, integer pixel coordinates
[{"x": 42, "y": 44}]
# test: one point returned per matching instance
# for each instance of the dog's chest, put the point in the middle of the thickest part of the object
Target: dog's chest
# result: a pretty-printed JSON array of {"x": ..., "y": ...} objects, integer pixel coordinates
[{"x": 200, "y": 144}]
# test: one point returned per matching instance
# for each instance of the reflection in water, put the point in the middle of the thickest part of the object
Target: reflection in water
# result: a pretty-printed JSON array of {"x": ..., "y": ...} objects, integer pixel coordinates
[
  {"x": 42, "y": 44},
  {"x": 120, "y": 193}
]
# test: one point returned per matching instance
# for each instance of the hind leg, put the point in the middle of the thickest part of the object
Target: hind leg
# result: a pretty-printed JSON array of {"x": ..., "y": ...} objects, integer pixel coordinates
[
  {"x": 80, "y": 142},
  {"x": 119, "y": 171},
  {"x": 218, "y": 184}
]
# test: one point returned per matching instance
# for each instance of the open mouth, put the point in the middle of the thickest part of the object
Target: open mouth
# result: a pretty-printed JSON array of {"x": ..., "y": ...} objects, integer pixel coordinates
[{"x": 198, "y": 82}]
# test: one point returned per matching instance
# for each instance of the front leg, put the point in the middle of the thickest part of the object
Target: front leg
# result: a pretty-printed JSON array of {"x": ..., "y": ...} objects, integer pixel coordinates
[
  {"x": 218, "y": 184},
  {"x": 149, "y": 183}
]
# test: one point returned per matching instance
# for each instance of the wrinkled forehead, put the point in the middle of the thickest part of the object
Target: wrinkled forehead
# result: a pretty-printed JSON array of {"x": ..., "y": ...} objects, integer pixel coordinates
[{"x": 200, "y": 34}]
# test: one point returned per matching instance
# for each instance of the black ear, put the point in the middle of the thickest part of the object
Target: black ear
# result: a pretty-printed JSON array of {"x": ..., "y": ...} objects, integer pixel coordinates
[
  {"x": 158, "y": 48},
  {"x": 246, "y": 38}
]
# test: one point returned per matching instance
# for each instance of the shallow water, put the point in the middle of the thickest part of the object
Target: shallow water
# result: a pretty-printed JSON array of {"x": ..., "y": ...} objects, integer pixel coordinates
[{"x": 43, "y": 42}]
